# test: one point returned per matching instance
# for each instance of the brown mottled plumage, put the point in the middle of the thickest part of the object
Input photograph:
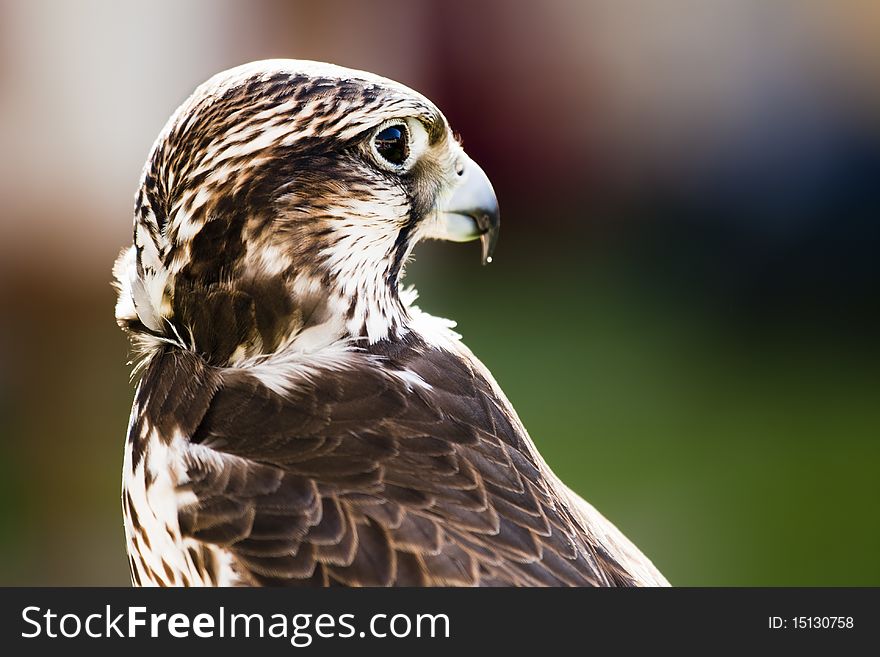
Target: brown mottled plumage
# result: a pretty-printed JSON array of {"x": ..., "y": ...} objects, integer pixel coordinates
[{"x": 298, "y": 420}]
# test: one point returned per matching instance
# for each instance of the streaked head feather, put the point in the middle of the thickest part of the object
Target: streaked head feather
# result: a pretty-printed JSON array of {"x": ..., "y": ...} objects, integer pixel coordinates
[{"x": 260, "y": 216}]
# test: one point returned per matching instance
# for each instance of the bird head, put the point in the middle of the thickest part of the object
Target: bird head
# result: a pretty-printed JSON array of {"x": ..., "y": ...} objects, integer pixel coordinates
[{"x": 282, "y": 201}]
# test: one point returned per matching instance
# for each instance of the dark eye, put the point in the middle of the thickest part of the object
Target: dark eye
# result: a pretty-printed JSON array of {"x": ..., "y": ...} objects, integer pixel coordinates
[{"x": 392, "y": 144}]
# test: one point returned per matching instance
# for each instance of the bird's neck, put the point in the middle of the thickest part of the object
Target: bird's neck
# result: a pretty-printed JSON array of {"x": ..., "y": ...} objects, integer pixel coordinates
[
  {"x": 254, "y": 316},
  {"x": 374, "y": 311},
  {"x": 308, "y": 312},
  {"x": 364, "y": 312}
]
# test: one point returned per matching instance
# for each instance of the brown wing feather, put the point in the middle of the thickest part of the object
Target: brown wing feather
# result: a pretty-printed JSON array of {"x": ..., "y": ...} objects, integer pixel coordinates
[{"x": 359, "y": 478}]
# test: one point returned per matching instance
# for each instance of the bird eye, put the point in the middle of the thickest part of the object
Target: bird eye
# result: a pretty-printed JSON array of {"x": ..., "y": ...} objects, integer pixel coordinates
[{"x": 392, "y": 144}]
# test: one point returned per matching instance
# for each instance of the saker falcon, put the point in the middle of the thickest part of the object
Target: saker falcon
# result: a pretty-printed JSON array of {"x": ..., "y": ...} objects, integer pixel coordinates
[{"x": 298, "y": 420}]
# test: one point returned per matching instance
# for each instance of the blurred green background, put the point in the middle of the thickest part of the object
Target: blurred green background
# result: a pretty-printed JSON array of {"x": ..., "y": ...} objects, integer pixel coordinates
[{"x": 682, "y": 307}]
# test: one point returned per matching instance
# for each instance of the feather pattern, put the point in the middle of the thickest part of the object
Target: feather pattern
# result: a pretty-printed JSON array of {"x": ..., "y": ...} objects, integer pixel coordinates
[
  {"x": 298, "y": 421},
  {"x": 354, "y": 479}
]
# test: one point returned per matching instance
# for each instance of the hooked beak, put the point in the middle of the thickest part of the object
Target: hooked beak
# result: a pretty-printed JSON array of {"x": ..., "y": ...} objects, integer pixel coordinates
[{"x": 471, "y": 211}]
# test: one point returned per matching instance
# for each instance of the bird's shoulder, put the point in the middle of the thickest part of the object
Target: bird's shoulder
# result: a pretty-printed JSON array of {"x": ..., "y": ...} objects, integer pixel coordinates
[{"x": 400, "y": 463}]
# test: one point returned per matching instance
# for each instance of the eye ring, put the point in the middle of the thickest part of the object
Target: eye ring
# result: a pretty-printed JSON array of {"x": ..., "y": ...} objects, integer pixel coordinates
[{"x": 391, "y": 145}]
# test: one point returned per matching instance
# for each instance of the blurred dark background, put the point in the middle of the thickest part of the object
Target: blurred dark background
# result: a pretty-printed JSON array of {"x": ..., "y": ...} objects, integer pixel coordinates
[{"x": 683, "y": 304}]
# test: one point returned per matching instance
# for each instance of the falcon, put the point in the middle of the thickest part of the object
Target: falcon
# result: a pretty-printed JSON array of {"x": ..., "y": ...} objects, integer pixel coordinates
[{"x": 298, "y": 420}]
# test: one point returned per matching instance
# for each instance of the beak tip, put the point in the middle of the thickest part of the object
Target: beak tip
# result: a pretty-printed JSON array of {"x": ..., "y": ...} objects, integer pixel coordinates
[{"x": 488, "y": 240}]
